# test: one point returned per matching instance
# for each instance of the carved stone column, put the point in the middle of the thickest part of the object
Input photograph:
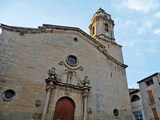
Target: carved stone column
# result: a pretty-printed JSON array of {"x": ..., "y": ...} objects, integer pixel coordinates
[
  {"x": 85, "y": 97},
  {"x": 49, "y": 90},
  {"x": 86, "y": 89}
]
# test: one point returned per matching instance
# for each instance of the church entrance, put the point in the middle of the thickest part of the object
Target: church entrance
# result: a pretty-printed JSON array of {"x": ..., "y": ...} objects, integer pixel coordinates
[{"x": 64, "y": 109}]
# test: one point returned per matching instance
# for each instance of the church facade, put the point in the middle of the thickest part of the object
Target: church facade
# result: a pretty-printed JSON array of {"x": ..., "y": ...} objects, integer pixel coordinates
[{"x": 62, "y": 73}]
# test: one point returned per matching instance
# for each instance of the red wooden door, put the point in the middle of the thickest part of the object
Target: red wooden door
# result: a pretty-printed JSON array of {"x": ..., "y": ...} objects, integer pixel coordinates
[{"x": 64, "y": 109}]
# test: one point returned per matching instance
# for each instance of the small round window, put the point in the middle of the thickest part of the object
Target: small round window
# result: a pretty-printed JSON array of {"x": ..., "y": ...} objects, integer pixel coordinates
[
  {"x": 72, "y": 60},
  {"x": 116, "y": 112},
  {"x": 8, "y": 95}
]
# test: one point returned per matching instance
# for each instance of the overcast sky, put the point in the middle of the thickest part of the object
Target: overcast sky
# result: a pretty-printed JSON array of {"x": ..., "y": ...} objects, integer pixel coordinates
[{"x": 137, "y": 25}]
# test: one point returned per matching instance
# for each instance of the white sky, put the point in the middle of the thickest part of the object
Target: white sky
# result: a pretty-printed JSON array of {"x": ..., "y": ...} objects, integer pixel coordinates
[{"x": 137, "y": 25}]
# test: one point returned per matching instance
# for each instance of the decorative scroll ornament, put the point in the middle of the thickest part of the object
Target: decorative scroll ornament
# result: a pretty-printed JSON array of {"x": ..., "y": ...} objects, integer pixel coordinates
[{"x": 69, "y": 73}]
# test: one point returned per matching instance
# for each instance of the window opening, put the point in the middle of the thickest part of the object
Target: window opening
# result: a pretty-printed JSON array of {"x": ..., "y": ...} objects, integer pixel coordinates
[
  {"x": 138, "y": 115},
  {"x": 116, "y": 112},
  {"x": 93, "y": 31},
  {"x": 72, "y": 60},
  {"x": 8, "y": 95},
  {"x": 149, "y": 82},
  {"x": 106, "y": 27},
  {"x": 135, "y": 98}
]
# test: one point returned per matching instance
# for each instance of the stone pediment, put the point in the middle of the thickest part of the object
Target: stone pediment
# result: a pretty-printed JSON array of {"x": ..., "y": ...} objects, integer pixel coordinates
[{"x": 46, "y": 28}]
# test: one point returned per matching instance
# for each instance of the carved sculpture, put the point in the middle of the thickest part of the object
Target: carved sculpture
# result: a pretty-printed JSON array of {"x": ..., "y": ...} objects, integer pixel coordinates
[
  {"x": 86, "y": 81},
  {"x": 69, "y": 72}
]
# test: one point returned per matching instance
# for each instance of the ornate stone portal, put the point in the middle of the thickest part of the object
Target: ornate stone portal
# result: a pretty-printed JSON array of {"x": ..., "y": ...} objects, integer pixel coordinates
[{"x": 55, "y": 79}]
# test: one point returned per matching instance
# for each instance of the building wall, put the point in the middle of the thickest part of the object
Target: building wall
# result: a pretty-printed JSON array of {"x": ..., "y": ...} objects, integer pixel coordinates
[
  {"x": 137, "y": 105},
  {"x": 26, "y": 58},
  {"x": 155, "y": 88},
  {"x": 113, "y": 49}
]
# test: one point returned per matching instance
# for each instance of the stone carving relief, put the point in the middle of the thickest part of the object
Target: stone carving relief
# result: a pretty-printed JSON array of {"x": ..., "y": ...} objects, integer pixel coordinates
[
  {"x": 67, "y": 75},
  {"x": 70, "y": 72}
]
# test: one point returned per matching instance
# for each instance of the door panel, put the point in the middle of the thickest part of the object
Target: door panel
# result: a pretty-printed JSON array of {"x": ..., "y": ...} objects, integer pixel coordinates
[{"x": 64, "y": 109}]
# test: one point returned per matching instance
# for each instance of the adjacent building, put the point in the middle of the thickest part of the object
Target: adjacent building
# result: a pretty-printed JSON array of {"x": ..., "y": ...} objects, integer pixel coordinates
[
  {"x": 136, "y": 104},
  {"x": 150, "y": 94}
]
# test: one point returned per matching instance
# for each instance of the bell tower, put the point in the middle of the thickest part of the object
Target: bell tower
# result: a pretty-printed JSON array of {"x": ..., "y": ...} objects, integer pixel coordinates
[
  {"x": 102, "y": 30},
  {"x": 102, "y": 26}
]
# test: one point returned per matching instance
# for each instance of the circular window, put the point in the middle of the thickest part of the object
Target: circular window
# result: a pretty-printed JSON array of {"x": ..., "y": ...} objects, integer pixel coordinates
[
  {"x": 8, "y": 95},
  {"x": 116, "y": 112},
  {"x": 72, "y": 60}
]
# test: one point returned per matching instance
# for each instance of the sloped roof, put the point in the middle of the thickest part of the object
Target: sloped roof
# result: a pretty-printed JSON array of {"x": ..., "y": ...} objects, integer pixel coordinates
[
  {"x": 131, "y": 91},
  {"x": 155, "y": 74}
]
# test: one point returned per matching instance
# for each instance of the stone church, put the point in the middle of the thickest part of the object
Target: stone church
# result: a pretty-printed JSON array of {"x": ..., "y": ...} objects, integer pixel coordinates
[{"x": 62, "y": 73}]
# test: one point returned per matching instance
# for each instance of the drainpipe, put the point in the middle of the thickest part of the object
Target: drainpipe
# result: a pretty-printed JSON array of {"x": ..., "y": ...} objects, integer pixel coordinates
[{"x": 49, "y": 90}]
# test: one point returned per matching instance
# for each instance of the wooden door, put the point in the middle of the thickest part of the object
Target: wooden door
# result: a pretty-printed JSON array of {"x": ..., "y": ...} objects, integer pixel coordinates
[{"x": 64, "y": 109}]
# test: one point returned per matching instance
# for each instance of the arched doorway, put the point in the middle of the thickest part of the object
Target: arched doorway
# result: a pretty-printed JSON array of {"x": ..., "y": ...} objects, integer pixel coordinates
[{"x": 64, "y": 109}]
